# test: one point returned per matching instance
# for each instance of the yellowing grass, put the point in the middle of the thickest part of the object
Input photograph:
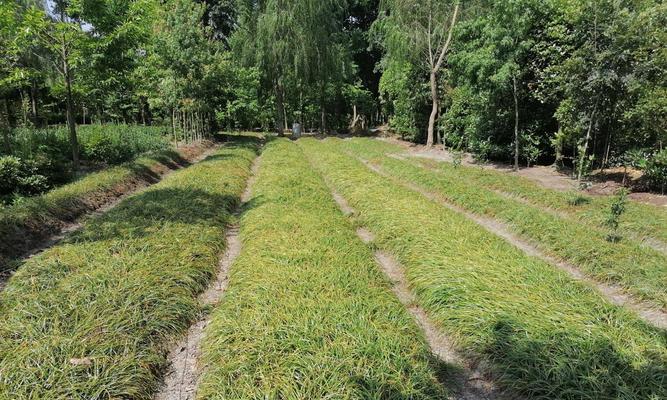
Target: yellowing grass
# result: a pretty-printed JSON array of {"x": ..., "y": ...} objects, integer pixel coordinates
[
  {"x": 308, "y": 314},
  {"x": 92, "y": 318},
  {"x": 545, "y": 335}
]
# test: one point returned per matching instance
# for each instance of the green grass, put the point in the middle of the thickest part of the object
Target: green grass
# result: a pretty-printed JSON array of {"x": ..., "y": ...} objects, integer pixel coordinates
[
  {"x": 118, "y": 292},
  {"x": 308, "y": 314},
  {"x": 641, "y": 221},
  {"x": 32, "y": 219},
  {"x": 640, "y": 270},
  {"x": 545, "y": 335}
]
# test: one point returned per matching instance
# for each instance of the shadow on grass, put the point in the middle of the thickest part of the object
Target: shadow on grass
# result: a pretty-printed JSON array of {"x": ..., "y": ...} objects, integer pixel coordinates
[{"x": 572, "y": 364}]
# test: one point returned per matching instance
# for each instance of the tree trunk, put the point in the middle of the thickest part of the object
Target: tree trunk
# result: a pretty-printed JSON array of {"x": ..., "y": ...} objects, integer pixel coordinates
[
  {"x": 73, "y": 140},
  {"x": 434, "y": 109},
  {"x": 582, "y": 156},
  {"x": 516, "y": 124},
  {"x": 280, "y": 108},
  {"x": 33, "y": 101},
  {"x": 6, "y": 126}
]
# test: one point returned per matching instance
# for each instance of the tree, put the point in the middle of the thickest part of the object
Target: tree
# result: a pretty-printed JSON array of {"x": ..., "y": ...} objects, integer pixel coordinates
[{"x": 424, "y": 30}]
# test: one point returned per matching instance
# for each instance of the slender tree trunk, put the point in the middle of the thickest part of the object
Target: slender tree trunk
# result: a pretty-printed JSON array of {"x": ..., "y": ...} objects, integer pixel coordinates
[
  {"x": 434, "y": 109},
  {"x": 71, "y": 125},
  {"x": 33, "y": 102},
  {"x": 582, "y": 156},
  {"x": 6, "y": 126},
  {"x": 173, "y": 126},
  {"x": 516, "y": 123}
]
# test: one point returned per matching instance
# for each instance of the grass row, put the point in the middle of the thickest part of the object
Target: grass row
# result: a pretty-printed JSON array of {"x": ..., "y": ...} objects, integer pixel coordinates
[
  {"x": 27, "y": 222},
  {"x": 640, "y": 270},
  {"x": 92, "y": 318},
  {"x": 544, "y": 334},
  {"x": 642, "y": 221},
  {"x": 308, "y": 314}
]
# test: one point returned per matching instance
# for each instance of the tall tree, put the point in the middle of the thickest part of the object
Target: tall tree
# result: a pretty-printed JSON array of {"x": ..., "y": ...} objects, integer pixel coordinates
[{"x": 424, "y": 29}]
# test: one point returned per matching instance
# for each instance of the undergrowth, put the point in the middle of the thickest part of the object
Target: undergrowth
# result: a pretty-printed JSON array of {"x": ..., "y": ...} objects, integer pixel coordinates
[
  {"x": 93, "y": 317},
  {"x": 308, "y": 314},
  {"x": 545, "y": 335}
]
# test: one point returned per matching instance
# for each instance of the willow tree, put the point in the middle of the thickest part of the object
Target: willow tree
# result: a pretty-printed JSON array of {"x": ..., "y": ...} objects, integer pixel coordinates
[
  {"x": 297, "y": 45},
  {"x": 422, "y": 31}
]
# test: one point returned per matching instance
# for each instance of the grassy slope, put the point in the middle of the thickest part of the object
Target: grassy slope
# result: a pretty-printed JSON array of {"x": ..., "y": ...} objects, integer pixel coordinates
[
  {"x": 640, "y": 270},
  {"x": 308, "y": 314},
  {"x": 113, "y": 295},
  {"x": 546, "y": 336},
  {"x": 34, "y": 218}
]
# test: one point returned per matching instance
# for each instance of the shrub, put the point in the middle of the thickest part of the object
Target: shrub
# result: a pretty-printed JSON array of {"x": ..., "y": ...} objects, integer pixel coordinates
[
  {"x": 18, "y": 176},
  {"x": 101, "y": 147},
  {"x": 655, "y": 170}
]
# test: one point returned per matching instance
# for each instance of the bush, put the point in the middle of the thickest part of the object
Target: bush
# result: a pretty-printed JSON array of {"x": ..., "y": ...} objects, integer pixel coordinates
[
  {"x": 655, "y": 170},
  {"x": 101, "y": 147},
  {"x": 18, "y": 176}
]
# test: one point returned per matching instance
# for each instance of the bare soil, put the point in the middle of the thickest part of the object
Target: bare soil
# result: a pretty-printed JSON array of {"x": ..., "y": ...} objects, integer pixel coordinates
[
  {"x": 182, "y": 377},
  {"x": 613, "y": 293}
]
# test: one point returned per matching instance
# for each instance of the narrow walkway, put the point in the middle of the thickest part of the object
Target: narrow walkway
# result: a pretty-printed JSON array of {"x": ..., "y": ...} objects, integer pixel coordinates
[
  {"x": 465, "y": 381},
  {"x": 182, "y": 377},
  {"x": 613, "y": 293}
]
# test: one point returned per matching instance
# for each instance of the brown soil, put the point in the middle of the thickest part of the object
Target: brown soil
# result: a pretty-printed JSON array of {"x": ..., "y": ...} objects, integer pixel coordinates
[
  {"x": 613, "y": 293},
  {"x": 182, "y": 377},
  {"x": 46, "y": 230}
]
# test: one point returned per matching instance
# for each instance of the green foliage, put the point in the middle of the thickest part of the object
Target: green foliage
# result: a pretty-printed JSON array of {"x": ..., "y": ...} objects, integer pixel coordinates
[
  {"x": 616, "y": 210},
  {"x": 655, "y": 170}
]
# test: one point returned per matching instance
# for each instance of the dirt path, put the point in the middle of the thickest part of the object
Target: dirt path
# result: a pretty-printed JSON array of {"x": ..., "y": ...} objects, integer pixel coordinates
[
  {"x": 613, "y": 293},
  {"x": 182, "y": 377},
  {"x": 465, "y": 381},
  {"x": 68, "y": 228}
]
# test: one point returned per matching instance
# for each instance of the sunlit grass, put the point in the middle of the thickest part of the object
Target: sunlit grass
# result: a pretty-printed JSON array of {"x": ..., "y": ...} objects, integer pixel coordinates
[
  {"x": 308, "y": 314},
  {"x": 640, "y": 270},
  {"x": 544, "y": 334},
  {"x": 32, "y": 219},
  {"x": 92, "y": 318}
]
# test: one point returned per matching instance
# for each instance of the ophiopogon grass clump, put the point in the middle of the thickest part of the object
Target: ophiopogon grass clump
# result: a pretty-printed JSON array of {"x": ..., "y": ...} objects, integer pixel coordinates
[
  {"x": 24, "y": 224},
  {"x": 546, "y": 335},
  {"x": 639, "y": 269},
  {"x": 641, "y": 220},
  {"x": 308, "y": 314},
  {"x": 93, "y": 317}
]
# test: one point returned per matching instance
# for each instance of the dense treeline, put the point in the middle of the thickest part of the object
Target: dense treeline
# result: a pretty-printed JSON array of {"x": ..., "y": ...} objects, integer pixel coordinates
[{"x": 581, "y": 83}]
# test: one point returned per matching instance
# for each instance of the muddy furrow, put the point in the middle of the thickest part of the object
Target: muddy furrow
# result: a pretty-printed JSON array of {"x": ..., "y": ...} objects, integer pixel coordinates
[
  {"x": 468, "y": 382},
  {"x": 613, "y": 293},
  {"x": 182, "y": 377}
]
